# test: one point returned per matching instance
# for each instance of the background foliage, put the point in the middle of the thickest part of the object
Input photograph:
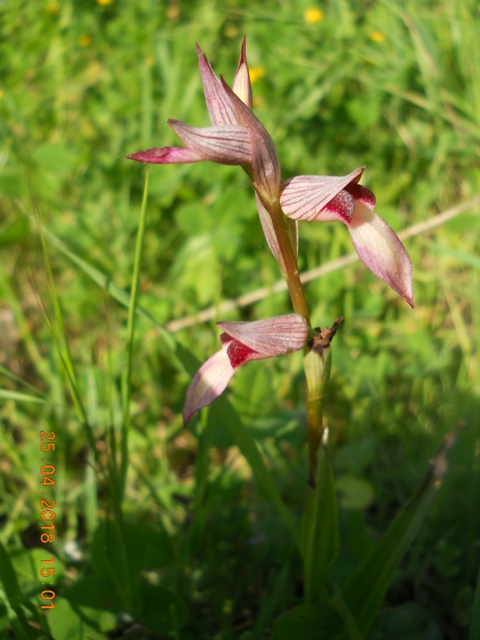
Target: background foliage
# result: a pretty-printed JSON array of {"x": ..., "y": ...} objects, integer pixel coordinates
[{"x": 393, "y": 86}]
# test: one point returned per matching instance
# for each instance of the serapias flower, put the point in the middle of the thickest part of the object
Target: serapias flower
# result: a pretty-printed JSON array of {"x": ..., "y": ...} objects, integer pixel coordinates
[
  {"x": 327, "y": 198},
  {"x": 242, "y": 342},
  {"x": 236, "y": 136}
]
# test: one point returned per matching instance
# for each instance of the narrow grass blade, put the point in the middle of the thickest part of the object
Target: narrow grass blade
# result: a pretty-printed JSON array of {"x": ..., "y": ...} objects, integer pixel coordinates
[
  {"x": 132, "y": 310},
  {"x": 364, "y": 591},
  {"x": 21, "y": 382},
  {"x": 475, "y": 622},
  {"x": 17, "y": 396},
  {"x": 320, "y": 536}
]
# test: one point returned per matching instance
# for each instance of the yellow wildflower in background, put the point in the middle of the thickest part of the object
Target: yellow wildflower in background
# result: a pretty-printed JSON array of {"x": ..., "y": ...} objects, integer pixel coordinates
[
  {"x": 313, "y": 15},
  {"x": 173, "y": 12},
  {"x": 104, "y": 1},
  {"x": 231, "y": 31},
  {"x": 377, "y": 36},
  {"x": 256, "y": 73},
  {"x": 52, "y": 7},
  {"x": 85, "y": 41}
]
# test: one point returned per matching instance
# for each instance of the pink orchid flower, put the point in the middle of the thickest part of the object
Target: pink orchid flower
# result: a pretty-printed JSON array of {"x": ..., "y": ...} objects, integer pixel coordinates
[
  {"x": 326, "y": 198},
  {"x": 242, "y": 342},
  {"x": 236, "y": 136}
]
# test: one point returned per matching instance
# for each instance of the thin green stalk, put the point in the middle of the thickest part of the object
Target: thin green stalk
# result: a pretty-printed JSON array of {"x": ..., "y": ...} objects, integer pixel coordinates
[
  {"x": 132, "y": 310},
  {"x": 292, "y": 274},
  {"x": 314, "y": 430},
  {"x": 317, "y": 363},
  {"x": 320, "y": 538},
  {"x": 316, "y": 372}
]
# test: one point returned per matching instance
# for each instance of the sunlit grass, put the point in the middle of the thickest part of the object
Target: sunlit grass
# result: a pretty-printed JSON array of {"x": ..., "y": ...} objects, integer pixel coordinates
[{"x": 395, "y": 87}]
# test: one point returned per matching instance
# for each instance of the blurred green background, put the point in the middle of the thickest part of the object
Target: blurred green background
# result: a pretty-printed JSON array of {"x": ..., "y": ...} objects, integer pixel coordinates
[{"x": 340, "y": 84}]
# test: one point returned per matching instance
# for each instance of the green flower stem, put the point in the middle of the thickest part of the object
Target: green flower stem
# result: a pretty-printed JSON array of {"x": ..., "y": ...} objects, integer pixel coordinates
[
  {"x": 291, "y": 273},
  {"x": 317, "y": 365},
  {"x": 314, "y": 432},
  {"x": 319, "y": 538},
  {"x": 317, "y": 357}
]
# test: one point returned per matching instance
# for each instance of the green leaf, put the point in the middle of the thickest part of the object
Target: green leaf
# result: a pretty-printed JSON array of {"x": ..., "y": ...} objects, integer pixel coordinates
[
  {"x": 151, "y": 548},
  {"x": 94, "y": 593},
  {"x": 68, "y": 623},
  {"x": 162, "y": 609},
  {"x": 320, "y": 537},
  {"x": 8, "y": 578},
  {"x": 17, "y": 617},
  {"x": 26, "y": 563},
  {"x": 223, "y": 412},
  {"x": 354, "y": 492},
  {"x": 364, "y": 591},
  {"x": 308, "y": 622}
]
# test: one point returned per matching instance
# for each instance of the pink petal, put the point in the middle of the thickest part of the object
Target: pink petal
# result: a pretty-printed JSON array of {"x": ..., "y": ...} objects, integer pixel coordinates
[
  {"x": 224, "y": 144},
  {"x": 305, "y": 197},
  {"x": 167, "y": 155},
  {"x": 208, "y": 383},
  {"x": 272, "y": 337},
  {"x": 381, "y": 251},
  {"x": 242, "y": 342},
  {"x": 218, "y": 103},
  {"x": 265, "y": 162},
  {"x": 242, "y": 85}
]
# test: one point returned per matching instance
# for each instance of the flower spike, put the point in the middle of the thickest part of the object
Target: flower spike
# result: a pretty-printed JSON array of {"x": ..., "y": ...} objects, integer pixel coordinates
[
  {"x": 236, "y": 136},
  {"x": 219, "y": 143},
  {"x": 242, "y": 342}
]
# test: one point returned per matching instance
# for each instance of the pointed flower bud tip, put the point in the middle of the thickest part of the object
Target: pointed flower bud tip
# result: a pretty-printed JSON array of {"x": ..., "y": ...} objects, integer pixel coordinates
[{"x": 242, "y": 85}]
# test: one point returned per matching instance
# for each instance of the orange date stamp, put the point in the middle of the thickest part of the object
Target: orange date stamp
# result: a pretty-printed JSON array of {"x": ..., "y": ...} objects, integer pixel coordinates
[{"x": 47, "y": 515}]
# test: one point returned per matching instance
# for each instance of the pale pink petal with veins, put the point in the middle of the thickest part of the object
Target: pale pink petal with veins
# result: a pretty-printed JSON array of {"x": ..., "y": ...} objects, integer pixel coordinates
[
  {"x": 304, "y": 197},
  {"x": 241, "y": 343}
]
